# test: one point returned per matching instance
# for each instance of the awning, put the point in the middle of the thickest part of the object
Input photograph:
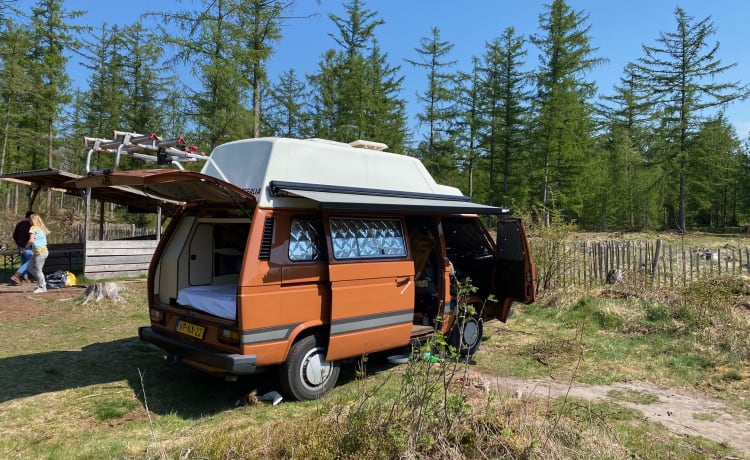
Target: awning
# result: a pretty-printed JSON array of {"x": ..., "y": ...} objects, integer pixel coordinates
[
  {"x": 351, "y": 202},
  {"x": 55, "y": 179}
]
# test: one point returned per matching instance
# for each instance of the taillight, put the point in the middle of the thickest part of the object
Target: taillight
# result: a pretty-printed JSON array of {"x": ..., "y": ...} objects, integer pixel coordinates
[
  {"x": 229, "y": 336},
  {"x": 157, "y": 316}
]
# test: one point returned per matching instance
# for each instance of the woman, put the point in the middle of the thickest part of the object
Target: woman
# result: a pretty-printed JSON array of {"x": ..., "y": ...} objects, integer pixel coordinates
[{"x": 38, "y": 244}]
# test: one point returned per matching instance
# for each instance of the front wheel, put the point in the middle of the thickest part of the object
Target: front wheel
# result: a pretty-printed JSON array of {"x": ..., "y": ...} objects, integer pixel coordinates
[
  {"x": 466, "y": 334},
  {"x": 306, "y": 374}
]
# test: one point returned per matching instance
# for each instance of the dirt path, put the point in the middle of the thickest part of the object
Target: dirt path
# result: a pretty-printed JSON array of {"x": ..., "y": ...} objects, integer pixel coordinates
[{"x": 680, "y": 411}]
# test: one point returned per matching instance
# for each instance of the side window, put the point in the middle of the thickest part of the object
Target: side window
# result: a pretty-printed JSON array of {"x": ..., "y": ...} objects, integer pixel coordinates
[
  {"x": 464, "y": 238},
  {"x": 305, "y": 240},
  {"x": 360, "y": 238}
]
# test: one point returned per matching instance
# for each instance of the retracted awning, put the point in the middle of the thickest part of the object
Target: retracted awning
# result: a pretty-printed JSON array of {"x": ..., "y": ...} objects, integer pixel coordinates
[{"x": 331, "y": 198}]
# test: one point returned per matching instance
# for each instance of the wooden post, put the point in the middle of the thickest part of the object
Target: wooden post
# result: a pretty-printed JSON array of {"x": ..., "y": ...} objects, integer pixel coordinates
[
  {"x": 86, "y": 223},
  {"x": 655, "y": 262},
  {"x": 684, "y": 267},
  {"x": 671, "y": 267}
]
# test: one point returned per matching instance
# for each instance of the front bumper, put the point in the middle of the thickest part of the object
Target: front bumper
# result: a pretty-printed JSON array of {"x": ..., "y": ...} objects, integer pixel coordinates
[{"x": 230, "y": 363}]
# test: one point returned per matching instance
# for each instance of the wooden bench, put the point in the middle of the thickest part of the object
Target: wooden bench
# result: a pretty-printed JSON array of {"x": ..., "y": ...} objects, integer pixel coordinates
[{"x": 64, "y": 256}]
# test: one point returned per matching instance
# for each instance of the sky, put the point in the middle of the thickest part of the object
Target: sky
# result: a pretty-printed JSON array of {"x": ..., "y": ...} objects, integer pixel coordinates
[{"x": 619, "y": 29}]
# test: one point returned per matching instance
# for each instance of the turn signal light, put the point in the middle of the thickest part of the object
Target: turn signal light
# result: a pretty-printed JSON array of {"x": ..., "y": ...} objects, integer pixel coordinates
[
  {"x": 229, "y": 336},
  {"x": 157, "y": 316}
]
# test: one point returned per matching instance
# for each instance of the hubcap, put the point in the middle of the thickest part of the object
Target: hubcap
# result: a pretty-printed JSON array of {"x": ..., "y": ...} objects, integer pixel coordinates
[
  {"x": 315, "y": 369},
  {"x": 471, "y": 330}
]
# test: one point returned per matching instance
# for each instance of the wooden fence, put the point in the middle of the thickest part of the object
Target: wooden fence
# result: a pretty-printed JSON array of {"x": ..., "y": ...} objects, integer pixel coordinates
[
  {"x": 647, "y": 263},
  {"x": 112, "y": 231},
  {"x": 102, "y": 259}
]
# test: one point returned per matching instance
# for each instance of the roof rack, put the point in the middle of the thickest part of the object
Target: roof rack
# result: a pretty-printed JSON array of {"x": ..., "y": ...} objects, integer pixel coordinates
[{"x": 147, "y": 147}]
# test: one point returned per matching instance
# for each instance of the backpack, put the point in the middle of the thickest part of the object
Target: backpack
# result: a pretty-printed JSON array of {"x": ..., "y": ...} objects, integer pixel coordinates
[{"x": 60, "y": 279}]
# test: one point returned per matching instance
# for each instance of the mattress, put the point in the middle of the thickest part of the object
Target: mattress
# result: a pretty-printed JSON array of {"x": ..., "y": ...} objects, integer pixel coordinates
[{"x": 218, "y": 300}]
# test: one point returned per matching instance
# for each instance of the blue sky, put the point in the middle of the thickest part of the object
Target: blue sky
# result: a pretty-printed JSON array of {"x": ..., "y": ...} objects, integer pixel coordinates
[{"x": 618, "y": 30}]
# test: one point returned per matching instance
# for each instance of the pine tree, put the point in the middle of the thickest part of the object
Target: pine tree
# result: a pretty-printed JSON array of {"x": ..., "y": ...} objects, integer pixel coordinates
[
  {"x": 385, "y": 111},
  {"x": 678, "y": 77},
  {"x": 713, "y": 174},
  {"x": 438, "y": 98},
  {"x": 53, "y": 37},
  {"x": 505, "y": 97},
  {"x": 213, "y": 47},
  {"x": 287, "y": 114},
  {"x": 16, "y": 93},
  {"x": 104, "y": 102},
  {"x": 468, "y": 132},
  {"x": 563, "y": 112},
  {"x": 623, "y": 193},
  {"x": 261, "y": 20},
  {"x": 145, "y": 80},
  {"x": 356, "y": 90}
]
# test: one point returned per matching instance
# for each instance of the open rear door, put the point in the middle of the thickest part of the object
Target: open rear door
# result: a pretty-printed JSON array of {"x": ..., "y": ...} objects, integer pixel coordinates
[
  {"x": 372, "y": 286},
  {"x": 171, "y": 184},
  {"x": 515, "y": 273}
]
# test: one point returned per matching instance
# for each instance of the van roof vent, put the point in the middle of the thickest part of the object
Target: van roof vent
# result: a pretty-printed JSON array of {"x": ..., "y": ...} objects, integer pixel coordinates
[
  {"x": 265, "y": 242},
  {"x": 369, "y": 145}
]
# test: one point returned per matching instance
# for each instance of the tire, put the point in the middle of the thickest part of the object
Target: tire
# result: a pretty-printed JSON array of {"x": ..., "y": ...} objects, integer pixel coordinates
[
  {"x": 306, "y": 375},
  {"x": 466, "y": 334}
]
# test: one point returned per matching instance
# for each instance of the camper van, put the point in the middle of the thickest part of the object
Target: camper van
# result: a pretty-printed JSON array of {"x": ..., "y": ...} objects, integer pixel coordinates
[{"x": 296, "y": 255}]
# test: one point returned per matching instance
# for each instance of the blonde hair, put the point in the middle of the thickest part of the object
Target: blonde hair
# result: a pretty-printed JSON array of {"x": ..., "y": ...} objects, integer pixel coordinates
[{"x": 37, "y": 221}]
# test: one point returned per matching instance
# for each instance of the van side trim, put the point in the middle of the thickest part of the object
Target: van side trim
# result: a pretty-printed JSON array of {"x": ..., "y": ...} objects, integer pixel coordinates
[
  {"x": 270, "y": 334},
  {"x": 363, "y": 323}
]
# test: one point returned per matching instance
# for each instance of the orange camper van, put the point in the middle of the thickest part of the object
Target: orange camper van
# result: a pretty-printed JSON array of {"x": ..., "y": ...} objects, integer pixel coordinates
[{"x": 298, "y": 254}]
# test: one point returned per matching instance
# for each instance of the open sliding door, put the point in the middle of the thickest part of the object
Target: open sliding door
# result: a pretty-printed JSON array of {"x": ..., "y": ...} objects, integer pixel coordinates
[
  {"x": 515, "y": 273},
  {"x": 372, "y": 286}
]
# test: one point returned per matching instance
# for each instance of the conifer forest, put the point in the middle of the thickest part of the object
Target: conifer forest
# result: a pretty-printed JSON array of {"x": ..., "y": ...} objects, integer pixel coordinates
[{"x": 655, "y": 152}]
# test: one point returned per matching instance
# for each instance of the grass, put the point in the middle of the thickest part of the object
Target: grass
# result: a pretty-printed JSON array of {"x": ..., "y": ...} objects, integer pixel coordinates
[{"x": 75, "y": 382}]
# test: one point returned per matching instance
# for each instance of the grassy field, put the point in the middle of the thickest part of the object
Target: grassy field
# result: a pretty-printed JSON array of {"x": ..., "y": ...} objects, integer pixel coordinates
[{"x": 76, "y": 383}]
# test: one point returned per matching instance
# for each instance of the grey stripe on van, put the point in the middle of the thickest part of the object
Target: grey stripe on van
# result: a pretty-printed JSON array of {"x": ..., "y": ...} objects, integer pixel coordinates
[
  {"x": 270, "y": 334},
  {"x": 362, "y": 323}
]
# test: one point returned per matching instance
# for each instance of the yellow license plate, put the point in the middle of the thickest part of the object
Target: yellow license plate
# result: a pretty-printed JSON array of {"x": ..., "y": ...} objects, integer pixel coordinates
[{"x": 193, "y": 330}]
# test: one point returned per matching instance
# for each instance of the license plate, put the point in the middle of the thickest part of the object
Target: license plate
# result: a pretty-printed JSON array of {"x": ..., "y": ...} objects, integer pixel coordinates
[{"x": 193, "y": 330}]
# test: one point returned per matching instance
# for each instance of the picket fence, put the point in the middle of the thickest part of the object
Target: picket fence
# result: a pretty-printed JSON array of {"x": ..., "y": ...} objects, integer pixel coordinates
[{"x": 647, "y": 263}]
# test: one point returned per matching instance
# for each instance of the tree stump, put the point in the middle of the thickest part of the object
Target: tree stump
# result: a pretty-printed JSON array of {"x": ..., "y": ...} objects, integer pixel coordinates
[{"x": 98, "y": 291}]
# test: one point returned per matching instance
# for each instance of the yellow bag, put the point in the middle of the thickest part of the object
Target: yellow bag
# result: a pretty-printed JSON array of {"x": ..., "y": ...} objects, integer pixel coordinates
[{"x": 70, "y": 279}]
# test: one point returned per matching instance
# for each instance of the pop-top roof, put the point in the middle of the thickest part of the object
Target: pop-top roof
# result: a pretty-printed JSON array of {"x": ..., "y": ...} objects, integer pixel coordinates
[
  {"x": 252, "y": 164},
  {"x": 294, "y": 173}
]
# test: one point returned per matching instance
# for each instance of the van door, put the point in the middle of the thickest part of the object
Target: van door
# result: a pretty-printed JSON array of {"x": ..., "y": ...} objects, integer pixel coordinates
[
  {"x": 200, "y": 266},
  {"x": 515, "y": 273},
  {"x": 372, "y": 286}
]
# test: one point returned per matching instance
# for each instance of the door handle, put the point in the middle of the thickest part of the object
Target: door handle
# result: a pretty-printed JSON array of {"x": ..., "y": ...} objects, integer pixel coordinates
[{"x": 403, "y": 281}]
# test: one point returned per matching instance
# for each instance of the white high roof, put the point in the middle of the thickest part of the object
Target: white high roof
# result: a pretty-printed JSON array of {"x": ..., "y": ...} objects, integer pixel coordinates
[{"x": 252, "y": 164}]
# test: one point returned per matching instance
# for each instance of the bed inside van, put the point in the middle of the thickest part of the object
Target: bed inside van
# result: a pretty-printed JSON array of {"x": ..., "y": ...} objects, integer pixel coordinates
[{"x": 201, "y": 263}]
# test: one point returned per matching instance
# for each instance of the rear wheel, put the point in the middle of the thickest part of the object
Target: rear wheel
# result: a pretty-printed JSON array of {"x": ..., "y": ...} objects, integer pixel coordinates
[
  {"x": 466, "y": 333},
  {"x": 306, "y": 374}
]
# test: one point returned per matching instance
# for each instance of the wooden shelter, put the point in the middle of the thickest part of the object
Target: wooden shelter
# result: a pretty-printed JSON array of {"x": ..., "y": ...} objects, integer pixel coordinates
[
  {"x": 98, "y": 258},
  {"x": 95, "y": 257}
]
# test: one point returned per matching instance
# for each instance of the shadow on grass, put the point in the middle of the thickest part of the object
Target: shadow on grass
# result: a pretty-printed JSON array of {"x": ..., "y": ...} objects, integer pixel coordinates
[{"x": 168, "y": 390}]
